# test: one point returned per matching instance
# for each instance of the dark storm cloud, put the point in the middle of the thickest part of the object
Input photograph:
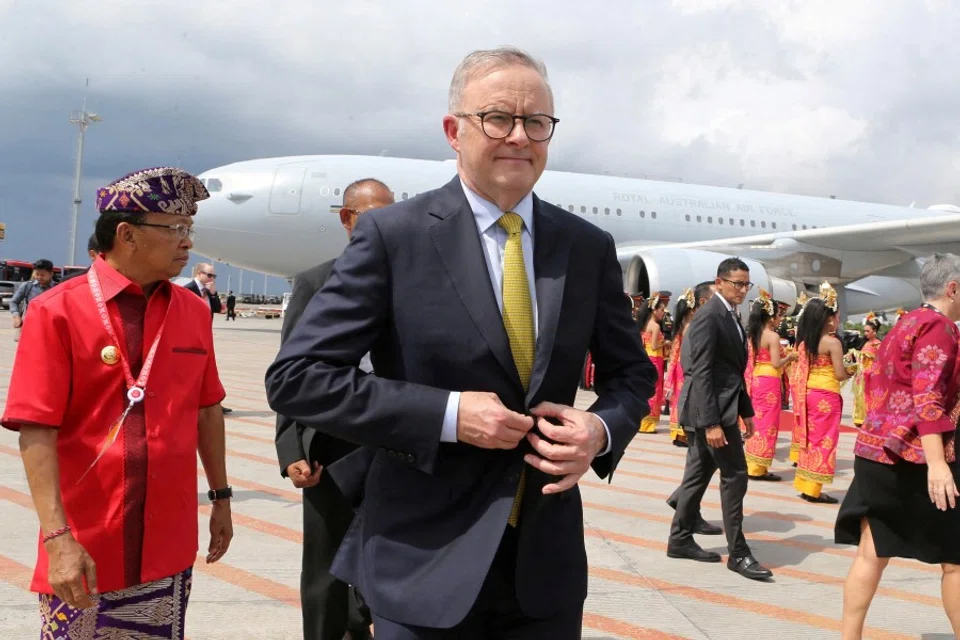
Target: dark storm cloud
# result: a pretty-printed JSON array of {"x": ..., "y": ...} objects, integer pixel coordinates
[{"x": 814, "y": 97}]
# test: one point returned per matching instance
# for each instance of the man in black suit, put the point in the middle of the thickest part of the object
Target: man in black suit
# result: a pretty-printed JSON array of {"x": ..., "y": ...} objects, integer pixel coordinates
[
  {"x": 204, "y": 284},
  {"x": 714, "y": 396},
  {"x": 477, "y": 302},
  {"x": 329, "y": 607},
  {"x": 231, "y": 306}
]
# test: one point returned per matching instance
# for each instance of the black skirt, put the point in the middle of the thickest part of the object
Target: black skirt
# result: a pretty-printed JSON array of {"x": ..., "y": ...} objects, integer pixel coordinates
[{"x": 903, "y": 520}]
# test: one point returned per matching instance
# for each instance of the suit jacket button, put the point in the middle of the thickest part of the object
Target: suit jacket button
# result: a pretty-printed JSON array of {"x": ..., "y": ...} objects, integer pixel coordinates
[{"x": 410, "y": 458}]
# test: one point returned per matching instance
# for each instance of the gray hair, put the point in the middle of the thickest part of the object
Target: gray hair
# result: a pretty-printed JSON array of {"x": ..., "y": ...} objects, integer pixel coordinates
[
  {"x": 500, "y": 57},
  {"x": 939, "y": 270}
]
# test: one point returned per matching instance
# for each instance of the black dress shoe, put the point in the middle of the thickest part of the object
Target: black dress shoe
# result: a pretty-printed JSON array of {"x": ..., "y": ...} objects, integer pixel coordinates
[
  {"x": 681, "y": 443},
  {"x": 692, "y": 551},
  {"x": 821, "y": 499},
  {"x": 767, "y": 477},
  {"x": 748, "y": 567},
  {"x": 226, "y": 410},
  {"x": 704, "y": 528}
]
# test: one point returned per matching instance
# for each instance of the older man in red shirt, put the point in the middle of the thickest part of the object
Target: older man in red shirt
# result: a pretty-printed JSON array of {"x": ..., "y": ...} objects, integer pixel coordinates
[{"x": 111, "y": 420}]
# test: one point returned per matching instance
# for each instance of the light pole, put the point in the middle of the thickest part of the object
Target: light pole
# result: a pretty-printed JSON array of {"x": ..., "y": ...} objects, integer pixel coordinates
[{"x": 82, "y": 119}]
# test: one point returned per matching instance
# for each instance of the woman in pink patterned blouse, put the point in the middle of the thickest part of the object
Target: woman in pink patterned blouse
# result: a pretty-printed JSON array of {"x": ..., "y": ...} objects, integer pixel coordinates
[{"x": 902, "y": 502}]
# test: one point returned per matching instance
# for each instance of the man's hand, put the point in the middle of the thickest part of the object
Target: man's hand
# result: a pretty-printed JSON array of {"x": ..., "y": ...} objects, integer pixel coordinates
[
  {"x": 211, "y": 286},
  {"x": 69, "y": 563},
  {"x": 716, "y": 437},
  {"x": 940, "y": 486},
  {"x": 302, "y": 476},
  {"x": 749, "y": 428},
  {"x": 577, "y": 440},
  {"x": 221, "y": 530},
  {"x": 17, "y": 322},
  {"x": 484, "y": 422}
]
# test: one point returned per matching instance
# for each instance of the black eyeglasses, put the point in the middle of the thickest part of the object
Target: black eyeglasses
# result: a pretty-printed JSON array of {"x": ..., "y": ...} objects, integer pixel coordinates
[
  {"x": 539, "y": 127},
  {"x": 740, "y": 286},
  {"x": 209, "y": 275},
  {"x": 182, "y": 230}
]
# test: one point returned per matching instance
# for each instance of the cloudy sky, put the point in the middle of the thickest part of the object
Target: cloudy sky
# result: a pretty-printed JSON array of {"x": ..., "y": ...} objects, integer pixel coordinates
[{"x": 855, "y": 98}]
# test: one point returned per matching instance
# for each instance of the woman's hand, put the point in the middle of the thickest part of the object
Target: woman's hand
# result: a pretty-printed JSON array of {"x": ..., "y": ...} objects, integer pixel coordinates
[{"x": 941, "y": 486}]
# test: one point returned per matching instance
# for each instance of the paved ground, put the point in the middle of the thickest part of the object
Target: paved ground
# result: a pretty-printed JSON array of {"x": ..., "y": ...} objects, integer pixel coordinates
[{"x": 635, "y": 590}]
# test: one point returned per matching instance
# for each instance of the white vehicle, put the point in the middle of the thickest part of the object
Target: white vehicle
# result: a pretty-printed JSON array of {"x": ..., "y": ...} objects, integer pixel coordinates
[{"x": 280, "y": 216}]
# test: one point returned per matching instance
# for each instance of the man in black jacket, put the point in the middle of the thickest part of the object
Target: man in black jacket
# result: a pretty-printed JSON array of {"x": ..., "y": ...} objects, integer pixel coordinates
[
  {"x": 714, "y": 397},
  {"x": 329, "y": 608}
]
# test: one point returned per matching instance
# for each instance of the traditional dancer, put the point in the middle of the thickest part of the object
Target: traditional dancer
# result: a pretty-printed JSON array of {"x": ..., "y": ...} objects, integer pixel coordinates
[
  {"x": 866, "y": 367},
  {"x": 649, "y": 316},
  {"x": 763, "y": 377}
]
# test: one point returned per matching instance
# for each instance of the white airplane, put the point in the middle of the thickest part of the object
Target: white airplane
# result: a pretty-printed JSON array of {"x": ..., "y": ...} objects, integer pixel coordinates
[{"x": 280, "y": 216}]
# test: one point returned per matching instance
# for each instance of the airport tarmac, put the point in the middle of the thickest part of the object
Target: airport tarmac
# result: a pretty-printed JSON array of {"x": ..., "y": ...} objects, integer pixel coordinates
[{"x": 635, "y": 590}]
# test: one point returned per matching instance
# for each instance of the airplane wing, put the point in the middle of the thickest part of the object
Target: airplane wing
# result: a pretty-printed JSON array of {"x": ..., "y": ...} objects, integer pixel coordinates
[
  {"x": 862, "y": 258},
  {"x": 840, "y": 254}
]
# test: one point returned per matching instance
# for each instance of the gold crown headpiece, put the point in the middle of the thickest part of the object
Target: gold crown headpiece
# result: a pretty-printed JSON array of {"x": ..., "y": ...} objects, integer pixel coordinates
[
  {"x": 871, "y": 317},
  {"x": 688, "y": 297},
  {"x": 654, "y": 300},
  {"x": 829, "y": 296},
  {"x": 766, "y": 302}
]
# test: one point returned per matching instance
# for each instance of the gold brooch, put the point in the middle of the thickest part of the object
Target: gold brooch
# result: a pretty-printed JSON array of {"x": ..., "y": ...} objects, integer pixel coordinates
[{"x": 110, "y": 355}]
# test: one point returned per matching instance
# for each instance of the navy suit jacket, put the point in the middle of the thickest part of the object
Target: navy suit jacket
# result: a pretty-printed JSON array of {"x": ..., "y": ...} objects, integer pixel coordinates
[{"x": 412, "y": 287}]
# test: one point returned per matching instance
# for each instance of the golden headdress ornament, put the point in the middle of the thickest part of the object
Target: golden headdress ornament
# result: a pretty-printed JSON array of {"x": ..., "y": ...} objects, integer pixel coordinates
[
  {"x": 871, "y": 317},
  {"x": 900, "y": 312},
  {"x": 829, "y": 296},
  {"x": 765, "y": 301},
  {"x": 687, "y": 297},
  {"x": 654, "y": 300}
]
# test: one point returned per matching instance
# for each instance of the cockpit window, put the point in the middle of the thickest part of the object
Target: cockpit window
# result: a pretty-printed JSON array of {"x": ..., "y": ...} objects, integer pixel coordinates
[{"x": 214, "y": 185}]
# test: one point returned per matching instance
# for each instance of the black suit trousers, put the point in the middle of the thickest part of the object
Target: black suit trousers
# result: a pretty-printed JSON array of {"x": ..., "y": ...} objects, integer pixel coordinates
[
  {"x": 496, "y": 615},
  {"x": 330, "y": 607},
  {"x": 702, "y": 462}
]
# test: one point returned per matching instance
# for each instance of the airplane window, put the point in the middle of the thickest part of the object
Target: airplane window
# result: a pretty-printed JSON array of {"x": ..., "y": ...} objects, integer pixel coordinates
[
  {"x": 404, "y": 196},
  {"x": 583, "y": 209},
  {"x": 214, "y": 185},
  {"x": 794, "y": 227},
  {"x": 687, "y": 217},
  {"x": 570, "y": 208},
  {"x": 643, "y": 214},
  {"x": 336, "y": 191},
  {"x": 710, "y": 219},
  {"x": 804, "y": 227},
  {"x": 731, "y": 222},
  {"x": 606, "y": 211},
  {"x": 595, "y": 210},
  {"x": 773, "y": 224},
  {"x": 753, "y": 223},
  {"x": 763, "y": 224},
  {"x": 653, "y": 214},
  {"x": 699, "y": 218},
  {"x": 719, "y": 220},
  {"x": 619, "y": 213}
]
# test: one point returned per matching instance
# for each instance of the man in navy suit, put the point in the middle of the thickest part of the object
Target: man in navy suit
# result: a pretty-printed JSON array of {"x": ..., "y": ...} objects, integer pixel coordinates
[{"x": 477, "y": 302}]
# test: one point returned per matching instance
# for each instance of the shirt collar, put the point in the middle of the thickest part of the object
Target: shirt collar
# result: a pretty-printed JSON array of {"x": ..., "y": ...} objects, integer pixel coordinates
[
  {"x": 486, "y": 213},
  {"x": 112, "y": 282},
  {"x": 724, "y": 301}
]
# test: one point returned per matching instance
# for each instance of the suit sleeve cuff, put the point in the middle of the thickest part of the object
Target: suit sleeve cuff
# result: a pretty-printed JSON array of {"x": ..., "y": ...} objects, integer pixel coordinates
[
  {"x": 449, "y": 431},
  {"x": 606, "y": 449}
]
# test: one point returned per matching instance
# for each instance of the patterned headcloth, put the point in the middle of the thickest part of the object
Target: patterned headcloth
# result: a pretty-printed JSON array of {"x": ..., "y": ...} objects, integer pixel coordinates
[{"x": 158, "y": 190}]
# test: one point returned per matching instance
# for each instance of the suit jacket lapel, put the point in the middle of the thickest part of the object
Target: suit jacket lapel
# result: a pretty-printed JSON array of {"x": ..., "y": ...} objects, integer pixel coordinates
[
  {"x": 454, "y": 233},
  {"x": 551, "y": 247}
]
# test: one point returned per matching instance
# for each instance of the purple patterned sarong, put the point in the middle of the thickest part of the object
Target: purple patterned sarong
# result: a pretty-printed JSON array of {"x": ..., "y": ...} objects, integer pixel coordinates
[{"x": 154, "y": 610}]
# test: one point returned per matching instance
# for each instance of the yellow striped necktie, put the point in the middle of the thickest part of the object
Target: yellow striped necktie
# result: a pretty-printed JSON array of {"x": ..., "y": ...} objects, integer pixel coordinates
[{"x": 517, "y": 320}]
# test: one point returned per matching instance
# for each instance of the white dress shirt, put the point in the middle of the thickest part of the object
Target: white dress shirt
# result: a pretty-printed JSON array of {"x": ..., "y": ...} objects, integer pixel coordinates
[
  {"x": 493, "y": 239},
  {"x": 733, "y": 314}
]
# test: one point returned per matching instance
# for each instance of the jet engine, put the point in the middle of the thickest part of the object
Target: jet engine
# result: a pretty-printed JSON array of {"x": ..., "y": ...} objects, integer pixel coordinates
[{"x": 673, "y": 270}]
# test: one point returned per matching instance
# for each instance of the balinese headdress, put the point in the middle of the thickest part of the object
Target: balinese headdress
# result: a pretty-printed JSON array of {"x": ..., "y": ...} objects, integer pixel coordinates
[
  {"x": 802, "y": 300},
  {"x": 653, "y": 300},
  {"x": 687, "y": 297},
  {"x": 872, "y": 318},
  {"x": 829, "y": 296},
  {"x": 766, "y": 302},
  {"x": 900, "y": 312}
]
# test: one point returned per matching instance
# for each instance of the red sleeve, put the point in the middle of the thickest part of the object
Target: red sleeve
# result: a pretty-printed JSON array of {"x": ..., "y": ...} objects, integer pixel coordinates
[
  {"x": 40, "y": 383},
  {"x": 211, "y": 390},
  {"x": 934, "y": 359}
]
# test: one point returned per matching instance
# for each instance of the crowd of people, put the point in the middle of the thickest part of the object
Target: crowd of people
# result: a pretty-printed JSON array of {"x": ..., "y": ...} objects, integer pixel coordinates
[{"x": 425, "y": 389}]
